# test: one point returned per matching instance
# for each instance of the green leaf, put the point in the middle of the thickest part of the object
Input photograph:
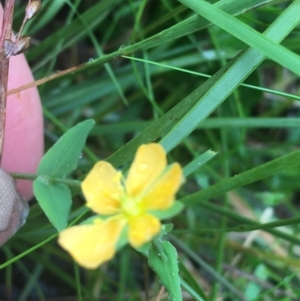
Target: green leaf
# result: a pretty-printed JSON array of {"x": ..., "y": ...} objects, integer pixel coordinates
[
  {"x": 165, "y": 229},
  {"x": 55, "y": 200},
  {"x": 62, "y": 158},
  {"x": 168, "y": 213},
  {"x": 165, "y": 265}
]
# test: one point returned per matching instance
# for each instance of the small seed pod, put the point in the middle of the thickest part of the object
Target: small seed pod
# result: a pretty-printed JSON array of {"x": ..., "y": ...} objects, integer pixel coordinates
[
  {"x": 14, "y": 48},
  {"x": 13, "y": 207},
  {"x": 33, "y": 8},
  {"x": 22, "y": 44}
]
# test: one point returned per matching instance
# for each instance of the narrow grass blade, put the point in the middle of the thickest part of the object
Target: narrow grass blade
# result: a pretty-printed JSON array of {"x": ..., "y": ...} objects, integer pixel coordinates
[
  {"x": 265, "y": 170},
  {"x": 167, "y": 121},
  {"x": 198, "y": 162},
  {"x": 193, "y": 24},
  {"x": 248, "y": 35}
]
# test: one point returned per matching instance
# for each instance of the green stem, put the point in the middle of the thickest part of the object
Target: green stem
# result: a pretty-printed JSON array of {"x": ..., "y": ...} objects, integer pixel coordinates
[
  {"x": 247, "y": 228},
  {"x": 32, "y": 177}
]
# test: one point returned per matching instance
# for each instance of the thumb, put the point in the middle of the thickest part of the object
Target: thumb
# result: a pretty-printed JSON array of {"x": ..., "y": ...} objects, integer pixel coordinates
[{"x": 23, "y": 138}]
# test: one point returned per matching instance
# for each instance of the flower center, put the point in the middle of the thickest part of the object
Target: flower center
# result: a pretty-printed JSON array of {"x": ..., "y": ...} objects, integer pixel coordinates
[{"x": 130, "y": 205}]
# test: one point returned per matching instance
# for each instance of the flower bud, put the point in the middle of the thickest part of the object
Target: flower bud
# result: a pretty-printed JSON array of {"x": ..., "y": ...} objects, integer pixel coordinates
[{"x": 32, "y": 8}]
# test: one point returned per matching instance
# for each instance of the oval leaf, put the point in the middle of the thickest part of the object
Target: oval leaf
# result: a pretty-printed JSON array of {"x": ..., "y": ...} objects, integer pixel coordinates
[
  {"x": 165, "y": 264},
  {"x": 55, "y": 200},
  {"x": 62, "y": 158}
]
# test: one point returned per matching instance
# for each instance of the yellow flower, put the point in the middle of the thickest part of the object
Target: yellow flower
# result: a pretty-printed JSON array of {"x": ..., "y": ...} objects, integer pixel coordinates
[{"x": 150, "y": 185}]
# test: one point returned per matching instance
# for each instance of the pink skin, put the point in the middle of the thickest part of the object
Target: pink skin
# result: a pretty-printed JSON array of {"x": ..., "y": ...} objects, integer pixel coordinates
[{"x": 24, "y": 138}]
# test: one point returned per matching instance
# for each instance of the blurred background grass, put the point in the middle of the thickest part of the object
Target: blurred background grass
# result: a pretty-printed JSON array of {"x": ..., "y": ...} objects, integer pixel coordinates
[{"x": 257, "y": 123}]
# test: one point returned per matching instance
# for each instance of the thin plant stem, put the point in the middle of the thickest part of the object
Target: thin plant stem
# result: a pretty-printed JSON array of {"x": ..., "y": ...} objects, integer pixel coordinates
[{"x": 4, "y": 65}]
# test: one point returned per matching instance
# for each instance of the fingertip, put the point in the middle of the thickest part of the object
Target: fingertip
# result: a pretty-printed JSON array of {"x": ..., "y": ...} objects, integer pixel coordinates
[{"x": 23, "y": 139}]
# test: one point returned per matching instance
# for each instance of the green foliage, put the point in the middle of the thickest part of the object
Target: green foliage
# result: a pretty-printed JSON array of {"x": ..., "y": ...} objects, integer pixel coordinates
[
  {"x": 163, "y": 259},
  {"x": 55, "y": 200},
  {"x": 253, "y": 290},
  {"x": 60, "y": 160},
  {"x": 216, "y": 83}
]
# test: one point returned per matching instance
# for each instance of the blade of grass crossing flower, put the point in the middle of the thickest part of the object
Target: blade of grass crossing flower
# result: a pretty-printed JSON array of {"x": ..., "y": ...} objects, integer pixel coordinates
[
  {"x": 233, "y": 77},
  {"x": 165, "y": 265},
  {"x": 245, "y": 33}
]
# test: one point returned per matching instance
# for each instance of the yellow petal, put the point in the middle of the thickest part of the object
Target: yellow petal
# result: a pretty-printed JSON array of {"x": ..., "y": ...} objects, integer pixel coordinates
[
  {"x": 162, "y": 194},
  {"x": 102, "y": 188},
  {"x": 149, "y": 162},
  {"x": 91, "y": 245},
  {"x": 142, "y": 228}
]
